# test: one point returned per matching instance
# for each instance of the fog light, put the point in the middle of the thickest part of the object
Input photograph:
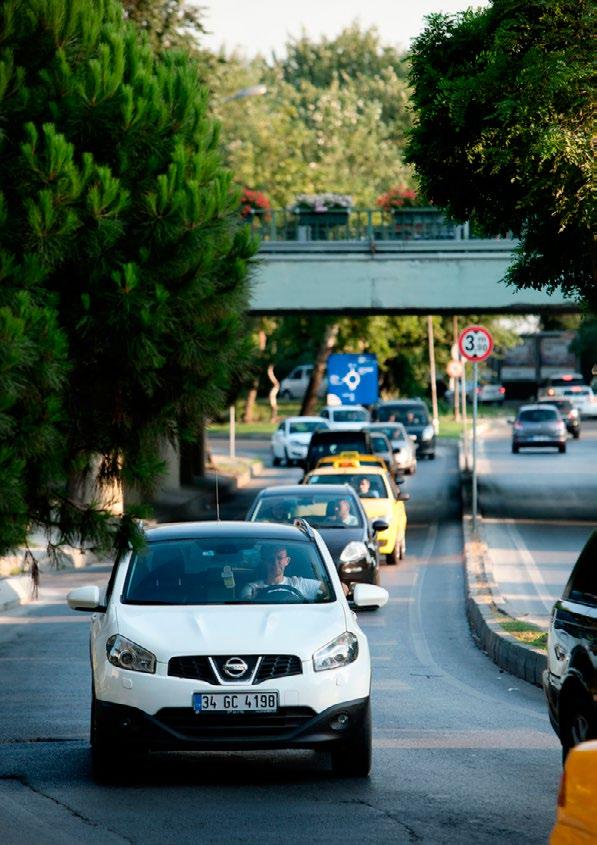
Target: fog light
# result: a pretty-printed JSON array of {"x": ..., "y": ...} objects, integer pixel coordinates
[{"x": 340, "y": 722}]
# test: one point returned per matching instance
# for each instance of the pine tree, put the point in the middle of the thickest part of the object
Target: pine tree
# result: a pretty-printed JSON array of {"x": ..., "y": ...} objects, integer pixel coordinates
[{"x": 123, "y": 271}]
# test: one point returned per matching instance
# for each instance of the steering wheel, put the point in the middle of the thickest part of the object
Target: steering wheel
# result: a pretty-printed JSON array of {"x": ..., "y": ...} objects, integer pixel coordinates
[{"x": 281, "y": 590}]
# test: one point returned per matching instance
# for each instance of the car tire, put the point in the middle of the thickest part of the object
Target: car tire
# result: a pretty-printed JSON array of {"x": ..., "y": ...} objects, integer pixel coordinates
[
  {"x": 352, "y": 759},
  {"x": 393, "y": 557},
  {"x": 577, "y": 725},
  {"x": 562, "y": 448},
  {"x": 431, "y": 456},
  {"x": 576, "y": 434},
  {"x": 285, "y": 394},
  {"x": 276, "y": 461},
  {"x": 109, "y": 761},
  {"x": 287, "y": 461},
  {"x": 515, "y": 450}
]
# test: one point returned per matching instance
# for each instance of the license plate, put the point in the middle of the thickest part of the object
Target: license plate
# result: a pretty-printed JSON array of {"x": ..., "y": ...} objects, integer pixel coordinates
[{"x": 235, "y": 702}]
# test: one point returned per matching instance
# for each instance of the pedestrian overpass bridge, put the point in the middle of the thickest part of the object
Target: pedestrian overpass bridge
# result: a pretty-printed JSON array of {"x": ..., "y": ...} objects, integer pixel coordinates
[{"x": 417, "y": 263}]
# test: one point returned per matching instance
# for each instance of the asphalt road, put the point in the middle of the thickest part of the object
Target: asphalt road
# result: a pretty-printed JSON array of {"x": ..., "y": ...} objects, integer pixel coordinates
[
  {"x": 538, "y": 509},
  {"x": 463, "y": 753}
]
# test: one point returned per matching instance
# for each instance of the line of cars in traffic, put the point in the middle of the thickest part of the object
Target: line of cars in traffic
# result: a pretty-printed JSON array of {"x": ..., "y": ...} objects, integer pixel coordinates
[{"x": 557, "y": 413}]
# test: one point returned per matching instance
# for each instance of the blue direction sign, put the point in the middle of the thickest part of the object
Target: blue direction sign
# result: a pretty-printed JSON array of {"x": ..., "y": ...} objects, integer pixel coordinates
[{"x": 353, "y": 378}]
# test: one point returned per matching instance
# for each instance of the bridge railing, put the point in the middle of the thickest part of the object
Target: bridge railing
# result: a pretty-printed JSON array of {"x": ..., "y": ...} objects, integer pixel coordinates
[{"x": 358, "y": 224}]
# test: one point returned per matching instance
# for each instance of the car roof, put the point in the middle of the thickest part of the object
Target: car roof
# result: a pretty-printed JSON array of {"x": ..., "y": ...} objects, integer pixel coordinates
[
  {"x": 302, "y": 419},
  {"x": 301, "y": 490},
  {"x": 368, "y": 469},
  {"x": 331, "y": 434},
  {"x": 401, "y": 402},
  {"x": 533, "y": 407},
  {"x": 344, "y": 408},
  {"x": 229, "y": 530}
]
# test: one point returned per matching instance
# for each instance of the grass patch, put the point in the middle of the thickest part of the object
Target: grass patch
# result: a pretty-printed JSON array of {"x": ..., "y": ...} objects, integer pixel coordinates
[
  {"x": 263, "y": 424},
  {"x": 526, "y": 632}
]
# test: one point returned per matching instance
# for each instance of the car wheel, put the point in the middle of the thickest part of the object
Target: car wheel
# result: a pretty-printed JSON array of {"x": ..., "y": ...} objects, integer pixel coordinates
[
  {"x": 515, "y": 449},
  {"x": 353, "y": 757},
  {"x": 109, "y": 761},
  {"x": 285, "y": 394},
  {"x": 288, "y": 461},
  {"x": 431, "y": 456},
  {"x": 562, "y": 448},
  {"x": 393, "y": 557},
  {"x": 276, "y": 461},
  {"x": 576, "y": 434},
  {"x": 578, "y": 725}
]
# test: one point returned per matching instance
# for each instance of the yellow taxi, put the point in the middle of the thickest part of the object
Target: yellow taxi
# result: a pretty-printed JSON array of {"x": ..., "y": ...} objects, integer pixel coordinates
[
  {"x": 576, "y": 822},
  {"x": 380, "y": 497}
]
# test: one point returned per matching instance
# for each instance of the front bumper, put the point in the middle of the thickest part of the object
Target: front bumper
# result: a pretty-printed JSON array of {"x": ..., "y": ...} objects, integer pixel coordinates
[
  {"x": 181, "y": 729},
  {"x": 425, "y": 447}
]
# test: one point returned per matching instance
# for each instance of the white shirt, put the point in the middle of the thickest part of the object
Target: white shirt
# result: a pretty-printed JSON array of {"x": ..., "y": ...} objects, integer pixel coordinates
[{"x": 308, "y": 587}]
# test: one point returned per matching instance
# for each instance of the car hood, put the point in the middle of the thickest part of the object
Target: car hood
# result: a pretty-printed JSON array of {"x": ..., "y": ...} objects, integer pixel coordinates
[
  {"x": 377, "y": 508},
  {"x": 302, "y": 437},
  {"x": 336, "y": 539},
  {"x": 232, "y": 629}
]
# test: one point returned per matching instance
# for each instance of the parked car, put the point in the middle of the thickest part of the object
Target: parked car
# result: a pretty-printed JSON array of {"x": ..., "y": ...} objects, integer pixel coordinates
[
  {"x": 568, "y": 413},
  {"x": 583, "y": 399},
  {"x": 414, "y": 416},
  {"x": 490, "y": 393},
  {"x": 380, "y": 497},
  {"x": 183, "y": 656},
  {"x": 294, "y": 386},
  {"x": 576, "y": 821},
  {"x": 538, "y": 425},
  {"x": 290, "y": 441},
  {"x": 345, "y": 416},
  {"x": 405, "y": 451},
  {"x": 324, "y": 443},
  {"x": 351, "y": 542},
  {"x": 570, "y": 680}
]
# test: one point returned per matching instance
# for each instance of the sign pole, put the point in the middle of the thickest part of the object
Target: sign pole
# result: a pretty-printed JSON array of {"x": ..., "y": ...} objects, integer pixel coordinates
[
  {"x": 474, "y": 445},
  {"x": 232, "y": 435},
  {"x": 464, "y": 419}
]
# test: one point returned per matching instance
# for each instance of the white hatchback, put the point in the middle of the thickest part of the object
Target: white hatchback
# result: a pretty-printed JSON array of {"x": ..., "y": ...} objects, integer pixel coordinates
[
  {"x": 228, "y": 636},
  {"x": 342, "y": 417},
  {"x": 290, "y": 441}
]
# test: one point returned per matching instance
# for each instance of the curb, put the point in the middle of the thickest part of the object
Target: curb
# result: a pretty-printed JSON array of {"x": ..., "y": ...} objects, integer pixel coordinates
[
  {"x": 15, "y": 590},
  {"x": 506, "y": 651}
]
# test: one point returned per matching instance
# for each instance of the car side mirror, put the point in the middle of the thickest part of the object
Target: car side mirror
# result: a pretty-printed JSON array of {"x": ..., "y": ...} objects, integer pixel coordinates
[
  {"x": 404, "y": 497},
  {"x": 87, "y": 598},
  {"x": 379, "y": 525},
  {"x": 395, "y": 449},
  {"x": 369, "y": 595}
]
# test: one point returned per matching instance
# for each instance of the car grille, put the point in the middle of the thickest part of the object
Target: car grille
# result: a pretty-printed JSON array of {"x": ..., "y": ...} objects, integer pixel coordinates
[
  {"x": 199, "y": 667},
  {"x": 234, "y": 726}
]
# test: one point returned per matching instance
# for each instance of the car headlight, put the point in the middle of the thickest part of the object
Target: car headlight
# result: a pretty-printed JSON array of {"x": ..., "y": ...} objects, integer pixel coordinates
[
  {"x": 128, "y": 655},
  {"x": 353, "y": 551},
  {"x": 427, "y": 432},
  {"x": 340, "y": 652}
]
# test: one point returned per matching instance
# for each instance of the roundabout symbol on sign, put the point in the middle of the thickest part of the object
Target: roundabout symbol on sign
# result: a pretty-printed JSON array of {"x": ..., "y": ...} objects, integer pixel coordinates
[{"x": 475, "y": 343}]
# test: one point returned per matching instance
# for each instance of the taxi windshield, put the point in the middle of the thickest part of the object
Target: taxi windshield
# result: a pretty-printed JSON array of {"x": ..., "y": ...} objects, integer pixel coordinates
[
  {"x": 213, "y": 570},
  {"x": 367, "y": 485}
]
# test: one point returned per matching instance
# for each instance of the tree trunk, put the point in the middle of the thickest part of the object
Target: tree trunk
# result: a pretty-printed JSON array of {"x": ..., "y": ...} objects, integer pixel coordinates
[
  {"x": 273, "y": 393},
  {"x": 249, "y": 414},
  {"x": 323, "y": 353},
  {"x": 192, "y": 459}
]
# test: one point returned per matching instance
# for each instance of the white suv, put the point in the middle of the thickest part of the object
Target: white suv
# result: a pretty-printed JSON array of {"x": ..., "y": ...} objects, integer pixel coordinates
[
  {"x": 296, "y": 383},
  {"x": 228, "y": 636}
]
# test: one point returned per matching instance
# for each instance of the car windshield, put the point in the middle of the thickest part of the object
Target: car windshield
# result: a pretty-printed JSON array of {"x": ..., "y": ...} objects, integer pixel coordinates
[
  {"x": 406, "y": 414},
  {"x": 392, "y": 432},
  {"x": 565, "y": 381},
  {"x": 372, "y": 488},
  {"x": 305, "y": 426},
  {"x": 536, "y": 415},
  {"x": 321, "y": 509},
  {"x": 379, "y": 443},
  {"x": 350, "y": 415},
  {"x": 561, "y": 404},
  {"x": 578, "y": 391},
  {"x": 217, "y": 570},
  {"x": 322, "y": 450}
]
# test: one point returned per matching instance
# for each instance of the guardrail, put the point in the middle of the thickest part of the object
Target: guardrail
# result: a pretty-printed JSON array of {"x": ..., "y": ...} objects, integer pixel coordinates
[{"x": 359, "y": 224}]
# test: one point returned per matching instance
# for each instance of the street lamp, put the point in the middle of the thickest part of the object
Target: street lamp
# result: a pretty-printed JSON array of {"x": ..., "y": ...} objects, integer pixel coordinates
[{"x": 251, "y": 91}]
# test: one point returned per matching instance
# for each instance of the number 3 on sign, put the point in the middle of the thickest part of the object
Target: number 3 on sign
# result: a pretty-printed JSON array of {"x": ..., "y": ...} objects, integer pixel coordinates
[{"x": 475, "y": 343}]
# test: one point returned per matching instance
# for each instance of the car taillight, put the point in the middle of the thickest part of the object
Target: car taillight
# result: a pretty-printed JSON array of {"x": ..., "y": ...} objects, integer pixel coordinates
[
  {"x": 502, "y": 390},
  {"x": 517, "y": 426}
]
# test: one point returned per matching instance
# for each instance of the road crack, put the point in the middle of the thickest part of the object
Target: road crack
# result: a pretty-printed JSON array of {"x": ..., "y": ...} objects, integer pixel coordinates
[
  {"x": 74, "y": 813},
  {"x": 413, "y": 836}
]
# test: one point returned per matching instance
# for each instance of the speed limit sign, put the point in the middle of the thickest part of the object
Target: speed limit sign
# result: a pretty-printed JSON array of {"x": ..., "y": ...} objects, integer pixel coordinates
[{"x": 475, "y": 343}]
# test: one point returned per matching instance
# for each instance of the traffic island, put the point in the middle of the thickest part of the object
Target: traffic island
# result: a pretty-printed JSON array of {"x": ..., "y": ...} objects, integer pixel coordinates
[{"x": 492, "y": 628}]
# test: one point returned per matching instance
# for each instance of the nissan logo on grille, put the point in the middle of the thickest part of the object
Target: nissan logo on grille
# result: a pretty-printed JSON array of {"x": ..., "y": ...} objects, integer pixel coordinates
[{"x": 235, "y": 667}]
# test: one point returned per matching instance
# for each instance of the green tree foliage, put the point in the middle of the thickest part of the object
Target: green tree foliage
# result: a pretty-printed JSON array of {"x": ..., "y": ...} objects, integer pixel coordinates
[
  {"x": 334, "y": 118},
  {"x": 122, "y": 265},
  {"x": 502, "y": 97},
  {"x": 167, "y": 23}
]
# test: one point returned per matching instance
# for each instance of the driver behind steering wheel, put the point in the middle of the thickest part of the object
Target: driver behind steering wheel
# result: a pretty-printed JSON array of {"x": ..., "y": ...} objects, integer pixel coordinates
[{"x": 274, "y": 562}]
